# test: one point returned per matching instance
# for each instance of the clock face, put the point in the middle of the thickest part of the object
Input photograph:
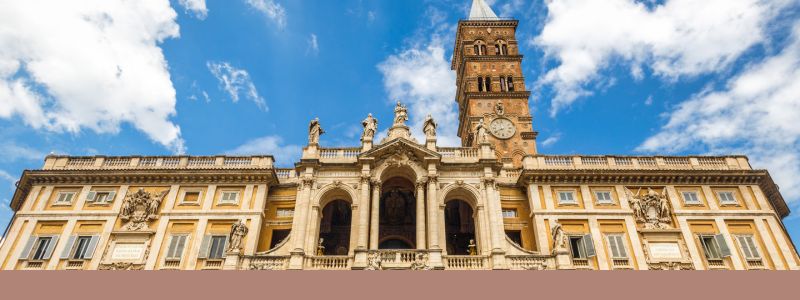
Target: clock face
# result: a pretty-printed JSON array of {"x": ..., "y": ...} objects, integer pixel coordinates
[{"x": 502, "y": 128}]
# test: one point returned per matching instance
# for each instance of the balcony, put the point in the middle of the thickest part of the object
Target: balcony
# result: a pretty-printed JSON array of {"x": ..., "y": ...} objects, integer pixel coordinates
[
  {"x": 530, "y": 262},
  {"x": 328, "y": 262},
  {"x": 259, "y": 262},
  {"x": 54, "y": 162},
  {"x": 577, "y": 162},
  {"x": 466, "y": 262}
]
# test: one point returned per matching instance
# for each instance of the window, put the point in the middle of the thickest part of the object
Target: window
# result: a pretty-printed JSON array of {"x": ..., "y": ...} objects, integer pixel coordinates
[
  {"x": 727, "y": 198},
  {"x": 80, "y": 247},
  {"x": 64, "y": 198},
  {"x": 42, "y": 248},
  {"x": 104, "y": 197},
  {"x": 480, "y": 84},
  {"x": 285, "y": 212},
  {"x": 488, "y": 82},
  {"x": 715, "y": 247},
  {"x": 515, "y": 236},
  {"x": 191, "y": 197},
  {"x": 604, "y": 197},
  {"x": 503, "y": 86},
  {"x": 510, "y": 84},
  {"x": 509, "y": 213},
  {"x": 480, "y": 48},
  {"x": 229, "y": 197},
  {"x": 581, "y": 246},
  {"x": 691, "y": 198},
  {"x": 566, "y": 197},
  {"x": 748, "y": 245},
  {"x": 617, "y": 246},
  {"x": 176, "y": 245},
  {"x": 484, "y": 84},
  {"x": 501, "y": 48},
  {"x": 217, "y": 248},
  {"x": 278, "y": 236}
]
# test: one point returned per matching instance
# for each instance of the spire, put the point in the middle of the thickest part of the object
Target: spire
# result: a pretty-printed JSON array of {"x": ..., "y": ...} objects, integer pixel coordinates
[{"x": 481, "y": 11}]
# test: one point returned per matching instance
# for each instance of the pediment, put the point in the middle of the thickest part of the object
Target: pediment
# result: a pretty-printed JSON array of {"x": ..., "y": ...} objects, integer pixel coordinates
[{"x": 400, "y": 147}]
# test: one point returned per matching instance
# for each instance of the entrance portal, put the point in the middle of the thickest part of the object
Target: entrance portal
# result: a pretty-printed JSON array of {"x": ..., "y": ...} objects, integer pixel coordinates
[
  {"x": 459, "y": 227},
  {"x": 397, "y": 214},
  {"x": 334, "y": 228}
]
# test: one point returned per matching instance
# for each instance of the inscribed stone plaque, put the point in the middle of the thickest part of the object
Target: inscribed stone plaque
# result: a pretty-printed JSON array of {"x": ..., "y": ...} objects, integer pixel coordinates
[
  {"x": 665, "y": 250},
  {"x": 128, "y": 252}
]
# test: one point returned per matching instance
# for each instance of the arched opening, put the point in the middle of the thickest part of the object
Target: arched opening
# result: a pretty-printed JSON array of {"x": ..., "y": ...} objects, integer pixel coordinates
[
  {"x": 397, "y": 228},
  {"x": 459, "y": 228},
  {"x": 334, "y": 228}
]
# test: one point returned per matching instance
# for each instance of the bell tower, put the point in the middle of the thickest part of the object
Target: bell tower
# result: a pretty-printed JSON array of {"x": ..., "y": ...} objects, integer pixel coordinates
[{"x": 491, "y": 86}]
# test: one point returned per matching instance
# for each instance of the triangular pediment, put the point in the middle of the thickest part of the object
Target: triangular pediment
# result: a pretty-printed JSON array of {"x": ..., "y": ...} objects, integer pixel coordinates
[{"x": 400, "y": 146}]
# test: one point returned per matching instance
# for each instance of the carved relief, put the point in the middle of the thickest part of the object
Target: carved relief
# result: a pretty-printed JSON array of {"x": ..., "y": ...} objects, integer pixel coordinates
[
  {"x": 651, "y": 209},
  {"x": 140, "y": 208}
]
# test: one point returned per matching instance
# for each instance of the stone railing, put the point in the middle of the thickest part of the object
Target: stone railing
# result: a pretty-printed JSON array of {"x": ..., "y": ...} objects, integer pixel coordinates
[
  {"x": 328, "y": 262},
  {"x": 466, "y": 262},
  {"x": 285, "y": 173},
  {"x": 262, "y": 262},
  {"x": 637, "y": 162},
  {"x": 530, "y": 262},
  {"x": 458, "y": 152},
  {"x": 397, "y": 259},
  {"x": 157, "y": 162},
  {"x": 333, "y": 155}
]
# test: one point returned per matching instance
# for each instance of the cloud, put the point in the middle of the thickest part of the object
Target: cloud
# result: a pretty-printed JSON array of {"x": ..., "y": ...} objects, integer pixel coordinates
[
  {"x": 285, "y": 155},
  {"x": 196, "y": 7},
  {"x": 12, "y": 152},
  {"x": 272, "y": 10},
  {"x": 551, "y": 140},
  {"x": 90, "y": 64},
  {"x": 7, "y": 177},
  {"x": 755, "y": 113},
  {"x": 674, "y": 39},
  {"x": 313, "y": 45},
  {"x": 235, "y": 82}
]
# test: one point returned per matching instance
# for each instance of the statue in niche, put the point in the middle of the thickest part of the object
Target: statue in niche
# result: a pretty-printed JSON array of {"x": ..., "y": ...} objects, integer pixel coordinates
[
  {"x": 395, "y": 207},
  {"x": 429, "y": 127},
  {"x": 473, "y": 249},
  {"x": 650, "y": 209},
  {"x": 140, "y": 208},
  {"x": 370, "y": 128},
  {"x": 480, "y": 132},
  {"x": 238, "y": 231},
  {"x": 320, "y": 247},
  {"x": 559, "y": 237},
  {"x": 400, "y": 115},
  {"x": 314, "y": 131}
]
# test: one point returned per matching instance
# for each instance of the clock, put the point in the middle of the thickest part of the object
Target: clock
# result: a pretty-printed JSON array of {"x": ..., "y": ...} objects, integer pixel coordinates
[{"x": 502, "y": 128}]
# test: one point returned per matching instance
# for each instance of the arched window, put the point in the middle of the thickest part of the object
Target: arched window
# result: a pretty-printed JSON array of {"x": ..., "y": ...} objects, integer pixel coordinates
[
  {"x": 488, "y": 82},
  {"x": 480, "y": 47},
  {"x": 480, "y": 84},
  {"x": 510, "y": 83},
  {"x": 501, "y": 47}
]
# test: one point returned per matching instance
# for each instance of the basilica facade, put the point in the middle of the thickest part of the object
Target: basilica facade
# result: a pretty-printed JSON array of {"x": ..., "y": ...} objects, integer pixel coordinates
[{"x": 396, "y": 202}]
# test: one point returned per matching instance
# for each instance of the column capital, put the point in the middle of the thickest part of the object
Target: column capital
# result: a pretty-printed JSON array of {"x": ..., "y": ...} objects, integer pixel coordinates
[
  {"x": 421, "y": 183},
  {"x": 433, "y": 179},
  {"x": 307, "y": 182},
  {"x": 376, "y": 183}
]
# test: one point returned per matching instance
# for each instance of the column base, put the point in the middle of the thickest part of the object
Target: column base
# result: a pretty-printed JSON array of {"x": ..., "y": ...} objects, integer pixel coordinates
[
  {"x": 435, "y": 259},
  {"x": 563, "y": 260},
  {"x": 499, "y": 259},
  {"x": 360, "y": 259},
  {"x": 296, "y": 260}
]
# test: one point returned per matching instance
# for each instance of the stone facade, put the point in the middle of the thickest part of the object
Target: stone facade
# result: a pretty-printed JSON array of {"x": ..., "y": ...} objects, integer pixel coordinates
[{"x": 394, "y": 202}]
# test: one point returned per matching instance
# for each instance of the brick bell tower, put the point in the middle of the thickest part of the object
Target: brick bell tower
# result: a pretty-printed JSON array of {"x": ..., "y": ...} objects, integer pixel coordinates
[{"x": 491, "y": 85}]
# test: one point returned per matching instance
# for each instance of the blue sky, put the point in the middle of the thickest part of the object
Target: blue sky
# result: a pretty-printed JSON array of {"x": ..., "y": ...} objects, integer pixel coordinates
[{"x": 207, "y": 77}]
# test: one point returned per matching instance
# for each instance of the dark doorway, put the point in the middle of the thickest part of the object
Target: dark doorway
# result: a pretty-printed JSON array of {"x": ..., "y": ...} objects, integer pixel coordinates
[
  {"x": 459, "y": 227},
  {"x": 334, "y": 228}
]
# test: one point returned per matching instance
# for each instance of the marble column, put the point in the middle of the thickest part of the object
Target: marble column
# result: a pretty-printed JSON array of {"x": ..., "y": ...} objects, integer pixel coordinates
[
  {"x": 421, "y": 215},
  {"x": 375, "y": 215},
  {"x": 433, "y": 210},
  {"x": 299, "y": 225},
  {"x": 363, "y": 214}
]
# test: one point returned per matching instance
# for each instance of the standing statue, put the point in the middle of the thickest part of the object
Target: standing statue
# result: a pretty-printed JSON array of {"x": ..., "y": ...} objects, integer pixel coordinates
[
  {"x": 314, "y": 131},
  {"x": 400, "y": 114},
  {"x": 320, "y": 247},
  {"x": 636, "y": 206},
  {"x": 651, "y": 209},
  {"x": 238, "y": 231},
  {"x": 429, "y": 127},
  {"x": 473, "y": 249},
  {"x": 480, "y": 133},
  {"x": 370, "y": 127},
  {"x": 559, "y": 237}
]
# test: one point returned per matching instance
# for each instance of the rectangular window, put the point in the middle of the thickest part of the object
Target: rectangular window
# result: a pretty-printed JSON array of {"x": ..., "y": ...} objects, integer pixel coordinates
[
  {"x": 503, "y": 86},
  {"x": 217, "y": 247},
  {"x": 748, "y": 245},
  {"x": 191, "y": 197},
  {"x": 509, "y": 213},
  {"x": 488, "y": 84},
  {"x": 64, "y": 198},
  {"x": 229, "y": 197},
  {"x": 81, "y": 247},
  {"x": 480, "y": 84},
  {"x": 617, "y": 246},
  {"x": 727, "y": 198},
  {"x": 566, "y": 197},
  {"x": 41, "y": 248},
  {"x": 515, "y": 236},
  {"x": 510, "y": 83},
  {"x": 582, "y": 246},
  {"x": 176, "y": 245},
  {"x": 714, "y": 246},
  {"x": 604, "y": 197},
  {"x": 285, "y": 212},
  {"x": 691, "y": 198},
  {"x": 278, "y": 236}
]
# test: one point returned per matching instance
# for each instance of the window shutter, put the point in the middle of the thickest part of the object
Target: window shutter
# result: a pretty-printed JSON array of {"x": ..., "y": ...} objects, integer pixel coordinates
[
  {"x": 612, "y": 244},
  {"x": 92, "y": 246},
  {"x": 589, "y": 244},
  {"x": 744, "y": 246},
  {"x": 181, "y": 244},
  {"x": 26, "y": 252},
  {"x": 173, "y": 241},
  {"x": 91, "y": 196},
  {"x": 621, "y": 247},
  {"x": 204, "y": 246},
  {"x": 50, "y": 247},
  {"x": 68, "y": 249},
  {"x": 724, "y": 250},
  {"x": 111, "y": 196}
]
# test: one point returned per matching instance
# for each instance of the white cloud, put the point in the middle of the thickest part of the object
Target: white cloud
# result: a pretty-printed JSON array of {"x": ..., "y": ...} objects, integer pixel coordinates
[
  {"x": 67, "y": 66},
  {"x": 649, "y": 100},
  {"x": 755, "y": 114},
  {"x": 12, "y": 152},
  {"x": 196, "y": 7},
  {"x": 235, "y": 82},
  {"x": 272, "y": 10},
  {"x": 313, "y": 45},
  {"x": 7, "y": 177},
  {"x": 551, "y": 140},
  {"x": 675, "y": 39},
  {"x": 421, "y": 78},
  {"x": 285, "y": 155}
]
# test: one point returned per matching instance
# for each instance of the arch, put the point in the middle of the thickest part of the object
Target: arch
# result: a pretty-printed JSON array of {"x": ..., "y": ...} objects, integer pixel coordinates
[
  {"x": 469, "y": 194},
  {"x": 386, "y": 242},
  {"x": 334, "y": 191},
  {"x": 328, "y": 194},
  {"x": 501, "y": 47},
  {"x": 480, "y": 47},
  {"x": 335, "y": 229},
  {"x": 460, "y": 191},
  {"x": 410, "y": 170},
  {"x": 460, "y": 228}
]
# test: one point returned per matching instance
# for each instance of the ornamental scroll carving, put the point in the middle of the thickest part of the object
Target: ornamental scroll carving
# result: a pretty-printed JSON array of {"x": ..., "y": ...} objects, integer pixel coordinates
[
  {"x": 398, "y": 157},
  {"x": 650, "y": 209},
  {"x": 139, "y": 208}
]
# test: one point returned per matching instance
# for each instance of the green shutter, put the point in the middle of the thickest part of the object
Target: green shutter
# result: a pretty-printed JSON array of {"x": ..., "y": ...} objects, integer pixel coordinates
[
  {"x": 91, "y": 196},
  {"x": 724, "y": 250},
  {"x": 588, "y": 243},
  {"x": 26, "y": 252},
  {"x": 204, "y": 247},
  {"x": 111, "y": 196},
  {"x": 68, "y": 249},
  {"x": 92, "y": 246},
  {"x": 50, "y": 247}
]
